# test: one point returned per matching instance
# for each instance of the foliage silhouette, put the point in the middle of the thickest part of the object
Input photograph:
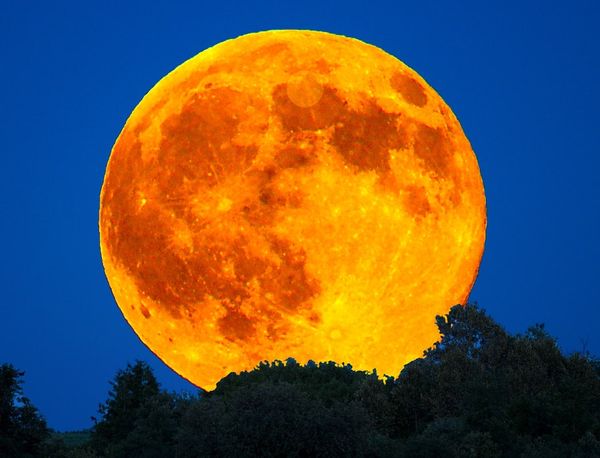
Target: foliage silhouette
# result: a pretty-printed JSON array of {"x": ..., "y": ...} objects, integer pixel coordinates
[
  {"x": 23, "y": 431},
  {"x": 138, "y": 419},
  {"x": 478, "y": 392}
]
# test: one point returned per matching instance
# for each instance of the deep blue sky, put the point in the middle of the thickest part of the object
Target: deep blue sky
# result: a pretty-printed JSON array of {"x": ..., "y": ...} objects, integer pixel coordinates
[{"x": 522, "y": 78}]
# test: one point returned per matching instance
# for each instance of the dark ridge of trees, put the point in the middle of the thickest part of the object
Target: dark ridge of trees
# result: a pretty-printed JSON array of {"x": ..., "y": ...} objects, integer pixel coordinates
[{"x": 478, "y": 392}]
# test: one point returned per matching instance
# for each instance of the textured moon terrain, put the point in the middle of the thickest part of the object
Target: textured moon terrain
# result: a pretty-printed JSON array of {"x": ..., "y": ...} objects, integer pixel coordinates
[{"x": 290, "y": 194}]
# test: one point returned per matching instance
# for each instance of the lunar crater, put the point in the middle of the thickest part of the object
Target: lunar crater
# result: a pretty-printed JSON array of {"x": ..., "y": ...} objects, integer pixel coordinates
[{"x": 409, "y": 88}]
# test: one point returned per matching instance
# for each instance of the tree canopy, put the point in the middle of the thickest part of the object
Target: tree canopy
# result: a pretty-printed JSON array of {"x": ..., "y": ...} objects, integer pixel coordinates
[
  {"x": 23, "y": 431},
  {"x": 478, "y": 392}
]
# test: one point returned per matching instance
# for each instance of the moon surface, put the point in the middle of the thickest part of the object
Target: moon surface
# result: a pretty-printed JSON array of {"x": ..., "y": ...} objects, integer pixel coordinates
[{"x": 290, "y": 194}]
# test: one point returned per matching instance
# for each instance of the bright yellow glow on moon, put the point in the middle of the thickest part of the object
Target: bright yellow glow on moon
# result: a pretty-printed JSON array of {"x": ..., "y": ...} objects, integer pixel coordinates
[{"x": 290, "y": 194}]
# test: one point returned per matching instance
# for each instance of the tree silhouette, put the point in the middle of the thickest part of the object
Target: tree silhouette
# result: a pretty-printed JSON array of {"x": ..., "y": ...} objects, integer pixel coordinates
[
  {"x": 478, "y": 392},
  {"x": 512, "y": 395},
  {"x": 131, "y": 389},
  {"x": 23, "y": 432},
  {"x": 273, "y": 419}
]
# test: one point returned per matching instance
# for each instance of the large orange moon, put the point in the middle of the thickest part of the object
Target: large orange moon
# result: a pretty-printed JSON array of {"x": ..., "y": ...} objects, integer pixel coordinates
[{"x": 290, "y": 193}]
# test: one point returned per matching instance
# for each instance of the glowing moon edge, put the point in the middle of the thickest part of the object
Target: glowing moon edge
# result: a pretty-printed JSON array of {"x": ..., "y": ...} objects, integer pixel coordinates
[{"x": 290, "y": 194}]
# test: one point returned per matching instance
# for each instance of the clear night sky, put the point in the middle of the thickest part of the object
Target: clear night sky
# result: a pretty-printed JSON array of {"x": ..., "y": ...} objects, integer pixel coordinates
[{"x": 522, "y": 79}]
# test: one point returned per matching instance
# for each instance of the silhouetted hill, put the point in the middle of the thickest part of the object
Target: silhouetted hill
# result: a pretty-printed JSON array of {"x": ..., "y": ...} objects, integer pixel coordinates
[{"x": 478, "y": 392}]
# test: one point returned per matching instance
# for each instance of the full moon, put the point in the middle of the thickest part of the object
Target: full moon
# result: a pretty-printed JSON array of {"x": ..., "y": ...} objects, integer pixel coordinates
[{"x": 294, "y": 194}]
